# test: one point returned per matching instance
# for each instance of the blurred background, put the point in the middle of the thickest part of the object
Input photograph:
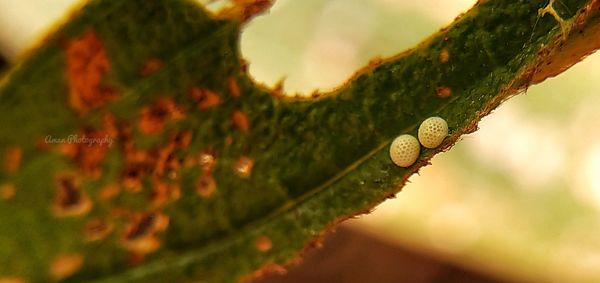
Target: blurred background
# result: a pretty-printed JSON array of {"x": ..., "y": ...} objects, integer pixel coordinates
[{"x": 516, "y": 201}]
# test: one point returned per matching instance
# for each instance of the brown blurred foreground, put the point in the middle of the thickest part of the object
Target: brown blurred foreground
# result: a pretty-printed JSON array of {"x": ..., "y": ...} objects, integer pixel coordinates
[{"x": 351, "y": 256}]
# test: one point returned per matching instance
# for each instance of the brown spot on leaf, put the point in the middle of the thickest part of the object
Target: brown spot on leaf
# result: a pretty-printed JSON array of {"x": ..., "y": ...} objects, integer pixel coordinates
[
  {"x": 109, "y": 191},
  {"x": 174, "y": 191},
  {"x": 444, "y": 56},
  {"x": 234, "y": 88},
  {"x": 207, "y": 160},
  {"x": 70, "y": 200},
  {"x": 166, "y": 159},
  {"x": 204, "y": 98},
  {"x": 141, "y": 232},
  {"x": 97, "y": 229},
  {"x": 109, "y": 125},
  {"x": 243, "y": 167},
  {"x": 140, "y": 226},
  {"x": 154, "y": 117},
  {"x": 12, "y": 161},
  {"x": 240, "y": 120},
  {"x": 7, "y": 191},
  {"x": 88, "y": 148},
  {"x": 443, "y": 91},
  {"x": 150, "y": 66},
  {"x": 87, "y": 63},
  {"x": 183, "y": 139},
  {"x": 158, "y": 163},
  {"x": 68, "y": 149},
  {"x": 89, "y": 156},
  {"x": 263, "y": 244},
  {"x": 163, "y": 192},
  {"x": 65, "y": 265},
  {"x": 132, "y": 178},
  {"x": 206, "y": 185}
]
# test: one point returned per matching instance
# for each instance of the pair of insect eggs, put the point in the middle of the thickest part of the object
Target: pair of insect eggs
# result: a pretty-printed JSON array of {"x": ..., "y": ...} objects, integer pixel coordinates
[{"x": 405, "y": 149}]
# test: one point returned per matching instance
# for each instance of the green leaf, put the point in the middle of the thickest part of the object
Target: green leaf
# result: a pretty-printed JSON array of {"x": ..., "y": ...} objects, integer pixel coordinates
[{"x": 199, "y": 172}]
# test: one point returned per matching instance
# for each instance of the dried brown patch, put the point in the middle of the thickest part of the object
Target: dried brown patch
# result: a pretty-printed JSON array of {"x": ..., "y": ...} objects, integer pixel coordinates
[
  {"x": 70, "y": 200},
  {"x": 263, "y": 244},
  {"x": 97, "y": 229},
  {"x": 154, "y": 117},
  {"x": 150, "y": 66},
  {"x": 234, "y": 88},
  {"x": 7, "y": 191},
  {"x": 206, "y": 185},
  {"x": 204, "y": 98},
  {"x": 240, "y": 121},
  {"x": 443, "y": 91},
  {"x": 87, "y": 64},
  {"x": 243, "y": 167},
  {"x": 65, "y": 265},
  {"x": 444, "y": 56},
  {"x": 12, "y": 161},
  {"x": 141, "y": 233}
]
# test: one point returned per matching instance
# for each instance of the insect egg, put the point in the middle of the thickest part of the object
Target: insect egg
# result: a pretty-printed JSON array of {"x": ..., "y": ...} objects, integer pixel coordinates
[
  {"x": 404, "y": 150},
  {"x": 432, "y": 132}
]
